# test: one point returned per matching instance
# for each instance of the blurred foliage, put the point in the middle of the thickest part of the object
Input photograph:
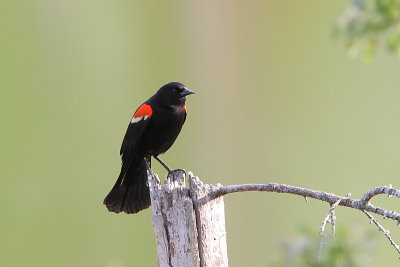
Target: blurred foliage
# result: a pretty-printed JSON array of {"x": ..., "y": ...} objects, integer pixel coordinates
[
  {"x": 366, "y": 23},
  {"x": 311, "y": 250}
]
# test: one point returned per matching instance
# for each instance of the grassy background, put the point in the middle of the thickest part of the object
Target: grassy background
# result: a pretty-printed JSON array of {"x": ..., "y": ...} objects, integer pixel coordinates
[{"x": 277, "y": 101}]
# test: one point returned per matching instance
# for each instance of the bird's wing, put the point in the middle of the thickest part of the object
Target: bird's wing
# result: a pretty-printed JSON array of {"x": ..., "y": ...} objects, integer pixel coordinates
[{"x": 134, "y": 133}]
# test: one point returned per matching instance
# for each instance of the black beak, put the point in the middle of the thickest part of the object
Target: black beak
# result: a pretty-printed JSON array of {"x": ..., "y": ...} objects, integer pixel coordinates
[{"x": 186, "y": 92}]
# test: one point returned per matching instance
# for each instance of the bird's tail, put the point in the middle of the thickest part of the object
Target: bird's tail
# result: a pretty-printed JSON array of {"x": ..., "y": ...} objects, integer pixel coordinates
[{"x": 130, "y": 193}]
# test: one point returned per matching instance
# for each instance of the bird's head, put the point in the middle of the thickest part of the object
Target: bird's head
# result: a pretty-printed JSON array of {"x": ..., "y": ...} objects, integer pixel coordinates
[{"x": 173, "y": 93}]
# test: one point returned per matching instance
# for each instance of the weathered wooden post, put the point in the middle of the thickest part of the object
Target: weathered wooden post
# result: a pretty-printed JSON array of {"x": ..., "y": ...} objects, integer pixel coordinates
[
  {"x": 189, "y": 224},
  {"x": 210, "y": 221}
]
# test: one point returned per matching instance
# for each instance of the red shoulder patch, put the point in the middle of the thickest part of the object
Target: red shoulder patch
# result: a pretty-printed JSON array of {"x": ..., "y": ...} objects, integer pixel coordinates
[
  {"x": 185, "y": 108},
  {"x": 143, "y": 112}
]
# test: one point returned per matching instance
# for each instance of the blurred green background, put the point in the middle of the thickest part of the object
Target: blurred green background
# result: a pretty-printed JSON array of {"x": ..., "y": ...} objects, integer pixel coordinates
[{"x": 277, "y": 100}]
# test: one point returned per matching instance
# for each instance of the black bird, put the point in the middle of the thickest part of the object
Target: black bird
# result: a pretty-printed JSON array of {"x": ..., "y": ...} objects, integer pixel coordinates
[{"x": 151, "y": 131}]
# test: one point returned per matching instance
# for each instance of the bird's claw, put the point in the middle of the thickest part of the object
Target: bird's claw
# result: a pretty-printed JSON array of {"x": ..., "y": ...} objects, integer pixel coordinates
[{"x": 177, "y": 175}]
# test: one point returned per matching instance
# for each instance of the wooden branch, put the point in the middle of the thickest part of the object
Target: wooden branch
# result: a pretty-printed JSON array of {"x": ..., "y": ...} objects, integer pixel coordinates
[
  {"x": 363, "y": 204},
  {"x": 320, "y": 195},
  {"x": 330, "y": 218},
  {"x": 388, "y": 190},
  {"x": 383, "y": 230}
]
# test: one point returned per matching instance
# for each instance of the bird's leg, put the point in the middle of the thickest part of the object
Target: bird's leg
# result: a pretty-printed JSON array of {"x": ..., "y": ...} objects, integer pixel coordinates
[
  {"x": 163, "y": 164},
  {"x": 168, "y": 169}
]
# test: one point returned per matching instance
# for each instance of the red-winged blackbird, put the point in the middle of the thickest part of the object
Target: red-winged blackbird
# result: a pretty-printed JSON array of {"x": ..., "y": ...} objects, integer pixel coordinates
[{"x": 152, "y": 131}]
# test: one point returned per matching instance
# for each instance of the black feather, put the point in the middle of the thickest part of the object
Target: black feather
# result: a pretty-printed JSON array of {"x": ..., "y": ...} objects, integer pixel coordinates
[{"x": 130, "y": 193}]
